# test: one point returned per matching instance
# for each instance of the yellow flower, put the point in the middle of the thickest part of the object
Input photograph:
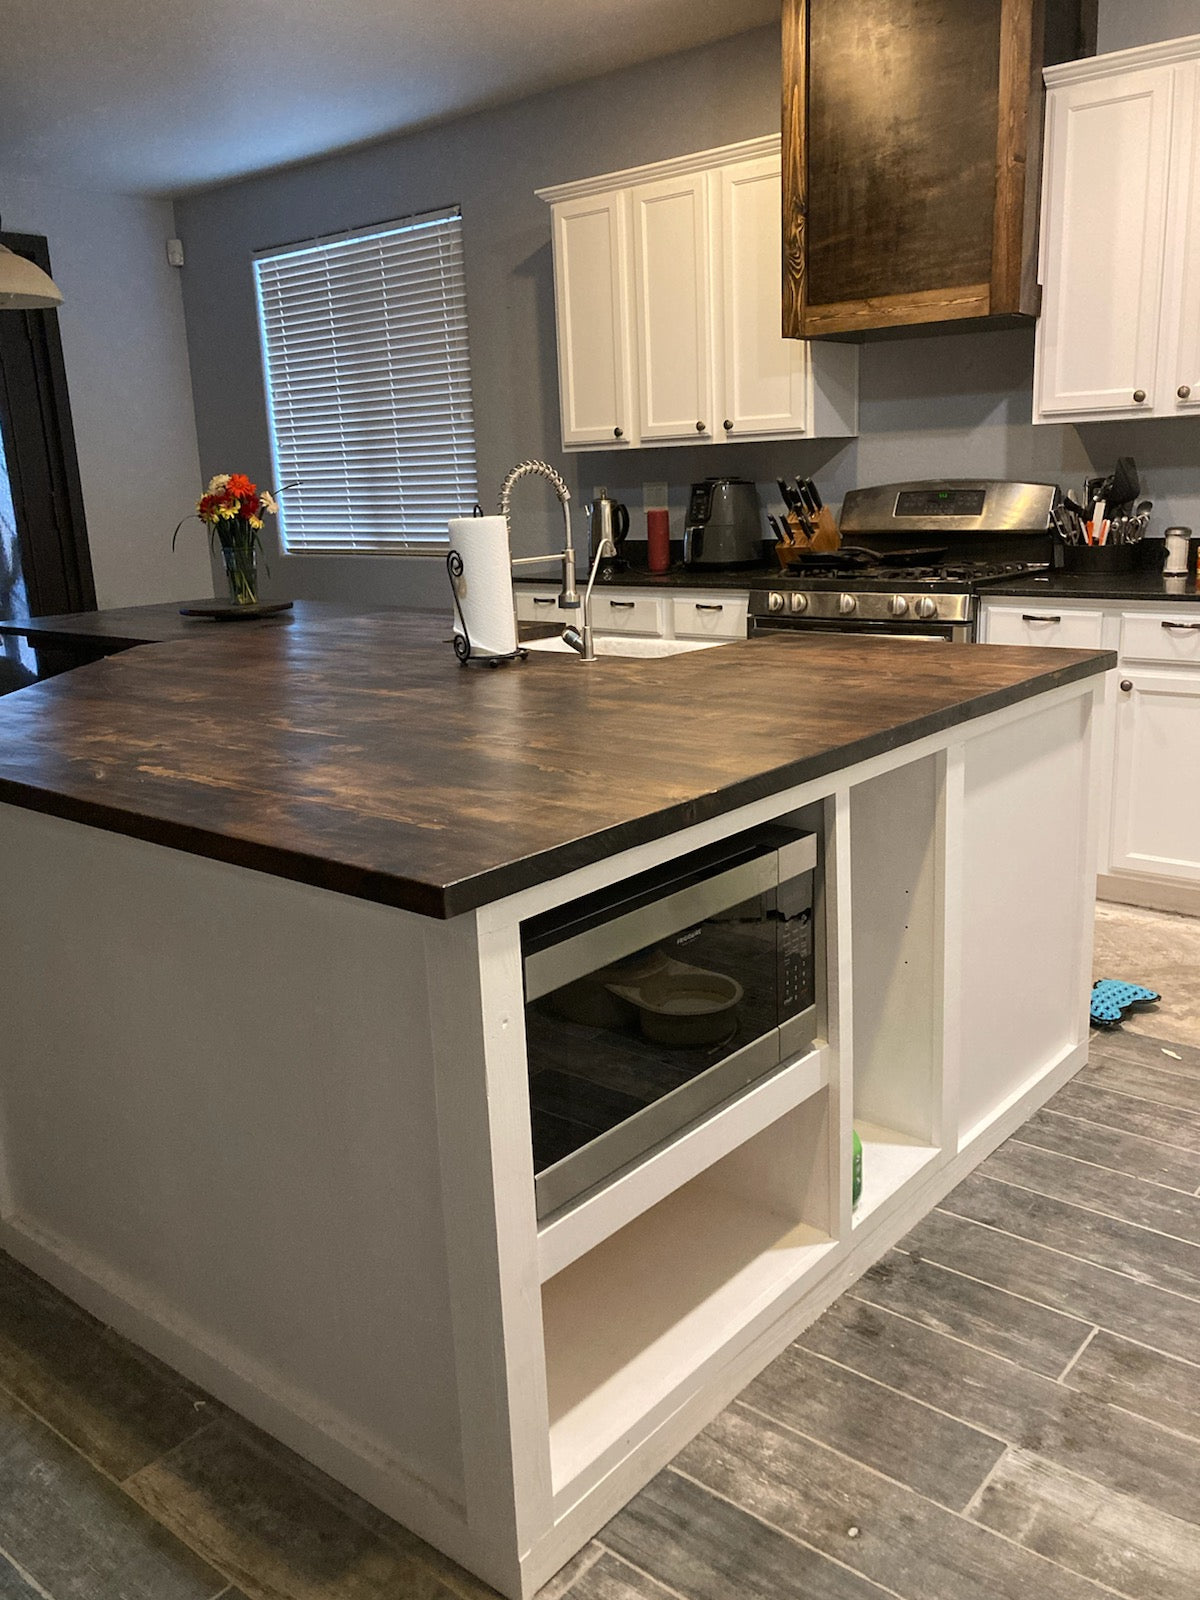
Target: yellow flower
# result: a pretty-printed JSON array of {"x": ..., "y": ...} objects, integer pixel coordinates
[{"x": 255, "y": 522}]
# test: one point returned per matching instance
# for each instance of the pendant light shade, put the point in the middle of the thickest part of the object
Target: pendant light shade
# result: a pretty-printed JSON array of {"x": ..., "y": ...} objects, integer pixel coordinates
[{"x": 24, "y": 287}]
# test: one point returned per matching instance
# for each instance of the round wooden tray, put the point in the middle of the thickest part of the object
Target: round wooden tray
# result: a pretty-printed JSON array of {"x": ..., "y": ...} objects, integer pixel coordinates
[{"x": 229, "y": 611}]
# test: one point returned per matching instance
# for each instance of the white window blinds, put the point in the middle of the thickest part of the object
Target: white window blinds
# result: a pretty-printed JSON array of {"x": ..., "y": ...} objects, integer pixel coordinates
[{"x": 368, "y": 380}]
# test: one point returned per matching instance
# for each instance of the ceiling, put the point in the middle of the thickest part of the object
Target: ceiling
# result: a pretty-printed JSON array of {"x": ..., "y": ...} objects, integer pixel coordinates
[{"x": 121, "y": 95}]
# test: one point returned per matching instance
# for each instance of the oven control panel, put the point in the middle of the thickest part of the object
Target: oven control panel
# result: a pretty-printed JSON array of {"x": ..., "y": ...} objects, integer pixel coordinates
[{"x": 862, "y": 605}]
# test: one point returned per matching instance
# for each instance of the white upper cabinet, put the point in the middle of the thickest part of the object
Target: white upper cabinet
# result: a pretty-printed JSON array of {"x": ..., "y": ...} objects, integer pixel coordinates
[
  {"x": 673, "y": 309},
  {"x": 1183, "y": 335},
  {"x": 764, "y": 376},
  {"x": 590, "y": 248},
  {"x": 1119, "y": 334},
  {"x": 692, "y": 307}
]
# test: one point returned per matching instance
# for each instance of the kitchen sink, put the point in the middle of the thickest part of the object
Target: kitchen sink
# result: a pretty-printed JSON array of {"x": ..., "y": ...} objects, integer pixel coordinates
[{"x": 617, "y": 645}]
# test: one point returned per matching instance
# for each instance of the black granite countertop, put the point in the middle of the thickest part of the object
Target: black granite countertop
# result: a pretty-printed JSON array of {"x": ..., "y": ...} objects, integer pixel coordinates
[
  {"x": 1151, "y": 586},
  {"x": 357, "y": 755}
]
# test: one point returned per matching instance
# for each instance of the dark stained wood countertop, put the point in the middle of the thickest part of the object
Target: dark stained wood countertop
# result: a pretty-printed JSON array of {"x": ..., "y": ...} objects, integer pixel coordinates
[
  {"x": 125, "y": 626},
  {"x": 357, "y": 755}
]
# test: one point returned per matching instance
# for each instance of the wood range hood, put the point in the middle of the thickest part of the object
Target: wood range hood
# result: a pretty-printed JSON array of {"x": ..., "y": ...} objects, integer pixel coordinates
[{"x": 911, "y": 161}]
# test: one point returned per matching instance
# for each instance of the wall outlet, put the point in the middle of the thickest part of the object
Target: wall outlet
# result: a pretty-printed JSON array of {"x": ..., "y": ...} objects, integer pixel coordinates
[
  {"x": 174, "y": 252},
  {"x": 654, "y": 496}
]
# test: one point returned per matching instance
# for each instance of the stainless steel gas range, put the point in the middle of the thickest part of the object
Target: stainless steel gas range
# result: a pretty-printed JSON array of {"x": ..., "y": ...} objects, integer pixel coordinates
[{"x": 914, "y": 557}]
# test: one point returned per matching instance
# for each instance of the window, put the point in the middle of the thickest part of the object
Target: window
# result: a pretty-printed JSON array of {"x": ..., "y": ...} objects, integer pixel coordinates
[{"x": 368, "y": 379}]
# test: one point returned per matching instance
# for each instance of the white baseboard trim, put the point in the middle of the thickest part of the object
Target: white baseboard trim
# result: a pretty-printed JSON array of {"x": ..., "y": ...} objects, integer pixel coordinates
[{"x": 1151, "y": 895}]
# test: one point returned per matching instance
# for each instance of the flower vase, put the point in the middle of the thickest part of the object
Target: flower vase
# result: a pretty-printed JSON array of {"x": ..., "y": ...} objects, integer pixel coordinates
[{"x": 241, "y": 569}]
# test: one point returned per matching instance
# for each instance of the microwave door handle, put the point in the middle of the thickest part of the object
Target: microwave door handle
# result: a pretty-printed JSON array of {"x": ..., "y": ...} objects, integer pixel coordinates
[{"x": 623, "y": 935}]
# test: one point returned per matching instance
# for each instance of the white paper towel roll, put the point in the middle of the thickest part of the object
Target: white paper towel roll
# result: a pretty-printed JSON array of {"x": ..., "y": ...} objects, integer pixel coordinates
[{"x": 485, "y": 589}]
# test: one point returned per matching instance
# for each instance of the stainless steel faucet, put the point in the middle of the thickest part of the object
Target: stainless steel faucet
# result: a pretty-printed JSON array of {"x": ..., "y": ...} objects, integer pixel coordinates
[
  {"x": 569, "y": 598},
  {"x": 579, "y": 639},
  {"x": 582, "y": 640}
]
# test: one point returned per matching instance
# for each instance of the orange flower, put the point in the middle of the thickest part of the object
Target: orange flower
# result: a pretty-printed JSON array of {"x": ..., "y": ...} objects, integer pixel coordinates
[{"x": 240, "y": 487}]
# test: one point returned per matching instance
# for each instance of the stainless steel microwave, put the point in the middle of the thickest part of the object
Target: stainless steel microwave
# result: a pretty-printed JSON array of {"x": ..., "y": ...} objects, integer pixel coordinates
[{"x": 650, "y": 1003}]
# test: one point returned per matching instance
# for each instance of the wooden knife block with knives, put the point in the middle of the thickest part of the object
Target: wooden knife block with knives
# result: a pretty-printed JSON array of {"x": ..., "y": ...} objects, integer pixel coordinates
[{"x": 808, "y": 526}]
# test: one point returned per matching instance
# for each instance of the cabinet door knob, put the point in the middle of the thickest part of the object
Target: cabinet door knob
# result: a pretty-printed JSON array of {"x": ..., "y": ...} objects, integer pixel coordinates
[
  {"x": 618, "y": 433},
  {"x": 727, "y": 425},
  {"x": 1138, "y": 396},
  {"x": 1184, "y": 390},
  {"x": 701, "y": 427},
  {"x": 1126, "y": 685}
]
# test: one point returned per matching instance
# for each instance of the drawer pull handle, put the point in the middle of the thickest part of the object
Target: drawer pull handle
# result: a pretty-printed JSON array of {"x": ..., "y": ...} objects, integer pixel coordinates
[
  {"x": 1138, "y": 396},
  {"x": 1183, "y": 627},
  {"x": 1029, "y": 616},
  {"x": 618, "y": 433},
  {"x": 1126, "y": 685},
  {"x": 1184, "y": 390},
  {"x": 702, "y": 427},
  {"x": 621, "y": 605},
  {"x": 543, "y": 600},
  {"x": 700, "y": 607}
]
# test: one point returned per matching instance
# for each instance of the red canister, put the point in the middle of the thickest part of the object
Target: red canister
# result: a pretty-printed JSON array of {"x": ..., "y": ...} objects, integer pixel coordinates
[{"x": 658, "y": 540}]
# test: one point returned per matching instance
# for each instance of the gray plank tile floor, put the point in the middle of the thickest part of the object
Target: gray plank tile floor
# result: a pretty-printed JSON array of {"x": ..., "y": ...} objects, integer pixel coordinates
[{"x": 1005, "y": 1407}]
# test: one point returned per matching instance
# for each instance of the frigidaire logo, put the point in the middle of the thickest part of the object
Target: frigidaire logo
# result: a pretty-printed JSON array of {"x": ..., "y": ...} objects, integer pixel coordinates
[{"x": 689, "y": 936}]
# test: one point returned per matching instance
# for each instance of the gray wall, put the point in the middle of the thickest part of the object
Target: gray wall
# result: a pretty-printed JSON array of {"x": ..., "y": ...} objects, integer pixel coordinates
[
  {"x": 956, "y": 405},
  {"x": 1125, "y": 23},
  {"x": 127, "y": 374}
]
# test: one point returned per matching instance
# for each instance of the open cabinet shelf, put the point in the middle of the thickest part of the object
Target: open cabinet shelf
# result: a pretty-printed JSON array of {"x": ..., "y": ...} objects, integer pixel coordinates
[
  {"x": 631, "y": 1326},
  {"x": 897, "y": 923},
  {"x": 890, "y": 1159}
]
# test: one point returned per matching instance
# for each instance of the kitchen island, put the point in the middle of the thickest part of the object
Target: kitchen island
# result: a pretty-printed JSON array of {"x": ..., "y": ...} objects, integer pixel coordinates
[{"x": 263, "y": 1084}]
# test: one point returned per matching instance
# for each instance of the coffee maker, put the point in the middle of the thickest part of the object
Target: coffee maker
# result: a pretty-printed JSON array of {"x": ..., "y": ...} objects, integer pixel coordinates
[{"x": 724, "y": 524}]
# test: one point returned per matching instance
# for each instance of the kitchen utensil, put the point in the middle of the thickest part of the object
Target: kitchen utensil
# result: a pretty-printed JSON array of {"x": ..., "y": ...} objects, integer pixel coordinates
[
  {"x": 608, "y": 520},
  {"x": 1124, "y": 486},
  {"x": 724, "y": 524},
  {"x": 1100, "y": 558}
]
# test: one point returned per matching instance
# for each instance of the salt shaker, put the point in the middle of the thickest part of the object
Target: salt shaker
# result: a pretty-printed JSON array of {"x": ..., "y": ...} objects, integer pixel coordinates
[{"x": 1176, "y": 564}]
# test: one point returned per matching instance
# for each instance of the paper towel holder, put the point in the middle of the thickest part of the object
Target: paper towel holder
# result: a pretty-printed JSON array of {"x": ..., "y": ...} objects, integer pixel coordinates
[{"x": 467, "y": 655}]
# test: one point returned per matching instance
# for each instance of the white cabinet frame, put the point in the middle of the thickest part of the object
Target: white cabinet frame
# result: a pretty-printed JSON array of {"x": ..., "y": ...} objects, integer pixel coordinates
[
  {"x": 1119, "y": 335},
  {"x": 699, "y": 311}
]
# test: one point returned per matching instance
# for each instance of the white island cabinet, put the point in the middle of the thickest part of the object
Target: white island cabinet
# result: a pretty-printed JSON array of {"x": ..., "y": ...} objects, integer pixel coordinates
[
  {"x": 277, "y": 1130},
  {"x": 1149, "y": 734},
  {"x": 666, "y": 285}
]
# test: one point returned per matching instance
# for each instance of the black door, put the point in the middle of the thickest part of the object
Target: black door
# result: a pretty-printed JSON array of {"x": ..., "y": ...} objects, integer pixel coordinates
[{"x": 45, "y": 567}]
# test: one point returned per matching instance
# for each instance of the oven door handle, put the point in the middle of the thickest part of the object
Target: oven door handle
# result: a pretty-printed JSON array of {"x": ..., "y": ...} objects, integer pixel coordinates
[{"x": 623, "y": 935}]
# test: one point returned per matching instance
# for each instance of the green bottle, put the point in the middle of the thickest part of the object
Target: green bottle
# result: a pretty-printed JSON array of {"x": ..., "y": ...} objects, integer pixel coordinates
[{"x": 856, "y": 1179}]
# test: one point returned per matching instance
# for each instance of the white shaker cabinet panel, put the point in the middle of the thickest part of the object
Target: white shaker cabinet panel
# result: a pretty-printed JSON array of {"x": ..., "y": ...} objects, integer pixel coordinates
[
  {"x": 1031, "y": 622},
  {"x": 590, "y": 249},
  {"x": 1179, "y": 367},
  {"x": 672, "y": 308},
  {"x": 1155, "y": 809},
  {"x": 765, "y": 376},
  {"x": 1103, "y": 246},
  {"x": 698, "y": 292}
]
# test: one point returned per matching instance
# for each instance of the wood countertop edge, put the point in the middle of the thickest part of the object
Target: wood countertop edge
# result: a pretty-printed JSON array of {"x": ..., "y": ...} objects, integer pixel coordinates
[{"x": 455, "y": 898}]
